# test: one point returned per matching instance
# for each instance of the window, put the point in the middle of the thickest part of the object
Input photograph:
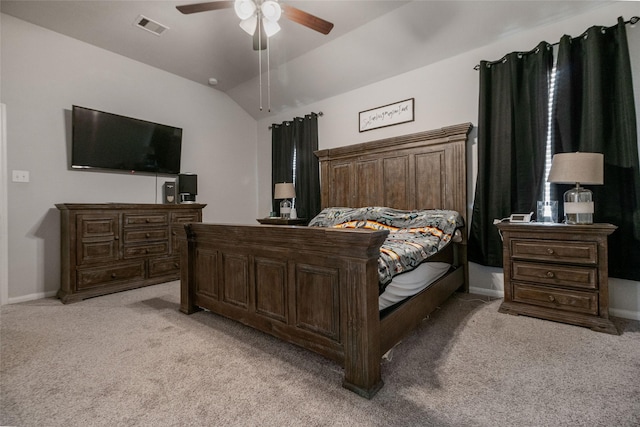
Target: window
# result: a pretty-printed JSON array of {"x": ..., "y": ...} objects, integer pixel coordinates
[{"x": 549, "y": 146}]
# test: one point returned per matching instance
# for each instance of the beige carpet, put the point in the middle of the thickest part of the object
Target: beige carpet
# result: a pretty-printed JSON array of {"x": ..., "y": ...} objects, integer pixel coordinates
[{"x": 132, "y": 359}]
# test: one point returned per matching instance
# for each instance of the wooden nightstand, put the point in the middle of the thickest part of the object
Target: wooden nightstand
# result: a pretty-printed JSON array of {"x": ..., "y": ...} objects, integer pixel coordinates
[
  {"x": 557, "y": 272},
  {"x": 283, "y": 221}
]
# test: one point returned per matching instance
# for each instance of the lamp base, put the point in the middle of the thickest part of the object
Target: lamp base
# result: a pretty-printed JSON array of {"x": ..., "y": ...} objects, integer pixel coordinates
[
  {"x": 578, "y": 206},
  {"x": 285, "y": 208}
]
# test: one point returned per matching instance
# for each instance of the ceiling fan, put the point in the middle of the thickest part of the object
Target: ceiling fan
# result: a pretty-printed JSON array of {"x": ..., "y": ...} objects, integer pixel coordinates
[{"x": 260, "y": 18}]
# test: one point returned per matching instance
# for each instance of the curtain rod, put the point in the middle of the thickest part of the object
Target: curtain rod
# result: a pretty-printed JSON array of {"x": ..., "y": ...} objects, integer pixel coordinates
[
  {"x": 319, "y": 113},
  {"x": 634, "y": 20}
]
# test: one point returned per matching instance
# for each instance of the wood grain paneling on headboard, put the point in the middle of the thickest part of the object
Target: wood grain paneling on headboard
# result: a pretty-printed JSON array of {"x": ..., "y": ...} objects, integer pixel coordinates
[{"x": 425, "y": 170}]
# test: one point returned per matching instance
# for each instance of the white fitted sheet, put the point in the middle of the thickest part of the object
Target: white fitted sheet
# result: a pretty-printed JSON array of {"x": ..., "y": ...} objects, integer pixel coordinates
[{"x": 410, "y": 283}]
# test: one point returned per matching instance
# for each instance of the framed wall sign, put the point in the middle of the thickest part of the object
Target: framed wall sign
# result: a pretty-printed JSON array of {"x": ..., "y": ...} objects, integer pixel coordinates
[{"x": 387, "y": 115}]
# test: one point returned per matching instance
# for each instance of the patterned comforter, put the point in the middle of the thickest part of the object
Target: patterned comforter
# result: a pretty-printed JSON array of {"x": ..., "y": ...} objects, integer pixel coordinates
[{"x": 413, "y": 235}]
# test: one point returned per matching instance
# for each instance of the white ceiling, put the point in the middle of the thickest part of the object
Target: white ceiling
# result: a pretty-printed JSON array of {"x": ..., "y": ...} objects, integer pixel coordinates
[{"x": 371, "y": 40}]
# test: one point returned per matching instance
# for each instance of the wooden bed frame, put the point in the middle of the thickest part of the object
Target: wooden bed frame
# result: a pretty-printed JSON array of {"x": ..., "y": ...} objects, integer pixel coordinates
[{"x": 318, "y": 288}]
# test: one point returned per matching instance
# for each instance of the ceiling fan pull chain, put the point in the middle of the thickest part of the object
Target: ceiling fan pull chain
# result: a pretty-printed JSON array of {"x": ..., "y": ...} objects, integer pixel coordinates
[
  {"x": 268, "y": 78},
  {"x": 260, "y": 60}
]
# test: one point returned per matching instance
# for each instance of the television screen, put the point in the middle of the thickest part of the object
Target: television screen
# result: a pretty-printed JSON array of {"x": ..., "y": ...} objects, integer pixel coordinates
[{"x": 110, "y": 141}]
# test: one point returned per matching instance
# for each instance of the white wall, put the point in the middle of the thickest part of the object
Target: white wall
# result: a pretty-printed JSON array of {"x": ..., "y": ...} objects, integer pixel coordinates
[
  {"x": 446, "y": 93},
  {"x": 42, "y": 75}
]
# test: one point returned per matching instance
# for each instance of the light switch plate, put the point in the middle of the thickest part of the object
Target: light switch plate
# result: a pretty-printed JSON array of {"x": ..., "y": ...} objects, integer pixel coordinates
[{"x": 20, "y": 176}]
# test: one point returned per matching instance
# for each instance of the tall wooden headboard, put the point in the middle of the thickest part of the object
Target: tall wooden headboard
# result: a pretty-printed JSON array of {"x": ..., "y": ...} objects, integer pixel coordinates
[{"x": 425, "y": 170}]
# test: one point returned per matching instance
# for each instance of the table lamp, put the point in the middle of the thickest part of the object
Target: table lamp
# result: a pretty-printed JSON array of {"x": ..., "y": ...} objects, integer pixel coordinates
[
  {"x": 577, "y": 168},
  {"x": 285, "y": 191}
]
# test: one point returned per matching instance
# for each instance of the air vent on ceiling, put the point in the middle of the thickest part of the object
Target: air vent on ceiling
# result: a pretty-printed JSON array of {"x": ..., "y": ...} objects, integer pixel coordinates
[{"x": 150, "y": 25}]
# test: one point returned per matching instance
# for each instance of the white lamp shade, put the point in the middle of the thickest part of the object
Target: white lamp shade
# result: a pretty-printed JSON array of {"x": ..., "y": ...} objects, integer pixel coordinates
[
  {"x": 249, "y": 25},
  {"x": 270, "y": 27},
  {"x": 271, "y": 10},
  {"x": 284, "y": 190},
  {"x": 244, "y": 8},
  {"x": 572, "y": 168}
]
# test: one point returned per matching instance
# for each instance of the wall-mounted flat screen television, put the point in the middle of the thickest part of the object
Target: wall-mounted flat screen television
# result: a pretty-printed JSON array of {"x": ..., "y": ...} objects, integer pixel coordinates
[{"x": 110, "y": 141}]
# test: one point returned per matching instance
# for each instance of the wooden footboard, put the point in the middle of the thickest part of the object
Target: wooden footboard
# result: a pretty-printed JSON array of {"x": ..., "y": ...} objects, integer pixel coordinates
[{"x": 314, "y": 287}]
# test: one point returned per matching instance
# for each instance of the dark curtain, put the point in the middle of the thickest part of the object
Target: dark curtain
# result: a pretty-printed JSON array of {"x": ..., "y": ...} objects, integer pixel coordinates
[
  {"x": 596, "y": 113},
  {"x": 281, "y": 158},
  {"x": 512, "y": 129},
  {"x": 297, "y": 139}
]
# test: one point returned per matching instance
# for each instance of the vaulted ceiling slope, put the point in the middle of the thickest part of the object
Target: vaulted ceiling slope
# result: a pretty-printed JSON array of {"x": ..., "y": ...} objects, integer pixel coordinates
[{"x": 371, "y": 40}]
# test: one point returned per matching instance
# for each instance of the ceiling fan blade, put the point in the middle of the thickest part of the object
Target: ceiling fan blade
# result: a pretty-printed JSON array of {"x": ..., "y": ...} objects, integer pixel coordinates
[
  {"x": 204, "y": 7},
  {"x": 259, "y": 42},
  {"x": 306, "y": 19}
]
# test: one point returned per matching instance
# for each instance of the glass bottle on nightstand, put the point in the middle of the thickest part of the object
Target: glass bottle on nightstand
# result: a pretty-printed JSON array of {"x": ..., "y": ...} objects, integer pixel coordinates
[
  {"x": 578, "y": 206},
  {"x": 285, "y": 208}
]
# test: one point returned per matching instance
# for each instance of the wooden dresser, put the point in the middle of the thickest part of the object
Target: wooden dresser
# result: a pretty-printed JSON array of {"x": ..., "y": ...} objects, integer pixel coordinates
[
  {"x": 111, "y": 247},
  {"x": 557, "y": 272}
]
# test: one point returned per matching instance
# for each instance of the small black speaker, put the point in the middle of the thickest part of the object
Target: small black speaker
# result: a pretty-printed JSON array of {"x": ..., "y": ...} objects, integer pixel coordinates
[
  {"x": 169, "y": 192},
  {"x": 187, "y": 187}
]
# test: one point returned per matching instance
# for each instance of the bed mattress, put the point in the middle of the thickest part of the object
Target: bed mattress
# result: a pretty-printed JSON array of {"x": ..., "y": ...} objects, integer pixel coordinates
[{"x": 412, "y": 282}]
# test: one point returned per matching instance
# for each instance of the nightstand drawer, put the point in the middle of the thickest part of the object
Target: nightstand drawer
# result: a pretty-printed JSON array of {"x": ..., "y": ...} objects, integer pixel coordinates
[
  {"x": 543, "y": 296},
  {"x": 564, "y": 275},
  {"x": 553, "y": 250}
]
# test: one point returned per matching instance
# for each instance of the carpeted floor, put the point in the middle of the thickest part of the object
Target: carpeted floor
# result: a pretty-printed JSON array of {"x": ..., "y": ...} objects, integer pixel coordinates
[{"x": 132, "y": 359}]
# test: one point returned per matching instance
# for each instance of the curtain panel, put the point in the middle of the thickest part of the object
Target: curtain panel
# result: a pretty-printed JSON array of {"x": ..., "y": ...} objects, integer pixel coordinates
[
  {"x": 596, "y": 113},
  {"x": 512, "y": 129},
  {"x": 292, "y": 146}
]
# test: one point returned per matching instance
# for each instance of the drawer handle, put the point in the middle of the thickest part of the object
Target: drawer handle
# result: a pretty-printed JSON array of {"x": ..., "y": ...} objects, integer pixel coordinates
[
  {"x": 116, "y": 238},
  {"x": 551, "y": 298},
  {"x": 146, "y": 220},
  {"x": 176, "y": 265},
  {"x": 147, "y": 235},
  {"x": 550, "y": 251},
  {"x": 113, "y": 275},
  {"x": 550, "y": 274}
]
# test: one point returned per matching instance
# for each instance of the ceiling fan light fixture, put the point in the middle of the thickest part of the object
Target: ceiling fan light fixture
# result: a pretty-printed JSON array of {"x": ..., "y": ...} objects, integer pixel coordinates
[
  {"x": 271, "y": 10},
  {"x": 249, "y": 25},
  {"x": 270, "y": 27},
  {"x": 244, "y": 8}
]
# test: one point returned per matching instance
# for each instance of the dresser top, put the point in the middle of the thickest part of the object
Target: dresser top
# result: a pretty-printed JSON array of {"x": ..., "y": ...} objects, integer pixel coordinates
[{"x": 140, "y": 206}]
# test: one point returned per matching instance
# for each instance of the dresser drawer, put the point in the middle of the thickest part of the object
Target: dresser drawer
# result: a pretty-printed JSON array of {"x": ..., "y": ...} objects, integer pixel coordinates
[
  {"x": 92, "y": 277},
  {"x": 103, "y": 225},
  {"x": 565, "y": 275},
  {"x": 139, "y": 236},
  {"x": 164, "y": 266},
  {"x": 97, "y": 238},
  {"x": 182, "y": 217},
  {"x": 145, "y": 219},
  {"x": 97, "y": 251},
  {"x": 160, "y": 248},
  {"x": 553, "y": 250},
  {"x": 544, "y": 296}
]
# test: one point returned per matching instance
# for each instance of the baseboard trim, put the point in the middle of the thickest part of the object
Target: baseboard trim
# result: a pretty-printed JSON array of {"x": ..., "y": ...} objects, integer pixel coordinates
[
  {"x": 625, "y": 314},
  {"x": 32, "y": 297},
  {"x": 494, "y": 293}
]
